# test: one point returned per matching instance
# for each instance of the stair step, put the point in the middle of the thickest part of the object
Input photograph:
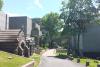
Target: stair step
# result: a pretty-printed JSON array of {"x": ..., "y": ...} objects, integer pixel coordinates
[
  {"x": 8, "y": 40},
  {"x": 10, "y": 35}
]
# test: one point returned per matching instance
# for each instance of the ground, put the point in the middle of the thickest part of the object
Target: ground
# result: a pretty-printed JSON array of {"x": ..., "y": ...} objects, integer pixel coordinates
[
  {"x": 11, "y": 60},
  {"x": 48, "y": 61},
  {"x": 36, "y": 59}
]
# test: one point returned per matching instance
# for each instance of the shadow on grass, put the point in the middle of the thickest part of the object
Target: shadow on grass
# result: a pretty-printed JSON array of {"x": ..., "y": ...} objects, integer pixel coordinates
[{"x": 61, "y": 56}]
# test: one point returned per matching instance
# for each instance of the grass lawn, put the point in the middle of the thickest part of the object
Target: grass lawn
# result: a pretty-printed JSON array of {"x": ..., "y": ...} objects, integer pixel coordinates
[
  {"x": 12, "y": 60},
  {"x": 63, "y": 54},
  {"x": 36, "y": 58},
  {"x": 93, "y": 62}
]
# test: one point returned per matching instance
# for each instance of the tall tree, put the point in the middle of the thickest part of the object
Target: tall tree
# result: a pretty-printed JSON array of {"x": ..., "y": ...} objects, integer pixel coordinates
[
  {"x": 1, "y": 4},
  {"x": 77, "y": 13},
  {"x": 52, "y": 26},
  {"x": 97, "y": 2}
]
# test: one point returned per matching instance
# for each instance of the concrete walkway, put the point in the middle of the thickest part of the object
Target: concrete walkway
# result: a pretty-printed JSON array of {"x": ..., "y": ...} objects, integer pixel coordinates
[
  {"x": 48, "y": 61},
  {"x": 50, "y": 52}
]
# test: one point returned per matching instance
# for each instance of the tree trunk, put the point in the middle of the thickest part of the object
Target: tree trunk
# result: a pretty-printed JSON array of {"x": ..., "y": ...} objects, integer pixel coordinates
[
  {"x": 78, "y": 40},
  {"x": 79, "y": 45}
]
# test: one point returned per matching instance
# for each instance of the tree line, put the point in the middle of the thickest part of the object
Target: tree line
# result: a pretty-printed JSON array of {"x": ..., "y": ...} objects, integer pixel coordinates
[
  {"x": 58, "y": 28},
  {"x": 75, "y": 14}
]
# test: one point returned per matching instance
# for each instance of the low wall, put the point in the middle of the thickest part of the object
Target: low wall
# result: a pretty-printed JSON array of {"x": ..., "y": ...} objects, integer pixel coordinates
[
  {"x": 30, "y": 64},
  {"x": 92, "y": 54},
  {"x": 8, "y": 46}
]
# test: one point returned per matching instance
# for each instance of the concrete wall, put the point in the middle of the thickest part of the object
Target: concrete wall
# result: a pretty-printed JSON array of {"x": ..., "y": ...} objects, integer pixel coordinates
[
  {"x": 35, "y": 29},
  {"x": 89, "y": 43},
  {"x": 29, "y": 26},
  {"x": 4, "y": 21},
  {"x": 91, "y": 38},
  {"x": 21, "y": 22},
  {"x": 8, "y": 46}
]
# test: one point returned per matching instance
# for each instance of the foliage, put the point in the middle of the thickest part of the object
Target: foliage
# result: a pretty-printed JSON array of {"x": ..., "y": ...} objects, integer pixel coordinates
[
  {"x": 76, "y": 14},
  {"x": 98, "y": 13},
  {"x": 52, "y": 25},
  {"x": 61, "y": 53},
  {"x": 1, "y": 4}
]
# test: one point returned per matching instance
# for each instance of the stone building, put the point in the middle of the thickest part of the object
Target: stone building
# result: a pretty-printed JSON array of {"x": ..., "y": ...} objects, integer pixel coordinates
[
  {"x": 13, "y": 41},
  {"x": 36, "y": 27},
  {"x": 36, "y": 30},
  {"x": 4, "y": 21},
  {"x": 21, "y": 22}
]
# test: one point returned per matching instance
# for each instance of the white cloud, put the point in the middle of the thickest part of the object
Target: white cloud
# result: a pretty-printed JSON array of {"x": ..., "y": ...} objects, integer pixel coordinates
[{"x": 38, "y": 4}]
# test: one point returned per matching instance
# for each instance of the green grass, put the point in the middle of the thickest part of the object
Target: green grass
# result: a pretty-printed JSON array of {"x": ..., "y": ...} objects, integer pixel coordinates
[
  {"x": 36, "y": 58},
  {"x": 61, "y": 54},
  {"x": 93, "y": 62},
  {"x": 12, "y": 60}
]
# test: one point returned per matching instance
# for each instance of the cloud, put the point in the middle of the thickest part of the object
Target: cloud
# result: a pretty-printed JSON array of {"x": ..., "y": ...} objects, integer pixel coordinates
[{"x": 38, "y": 4}]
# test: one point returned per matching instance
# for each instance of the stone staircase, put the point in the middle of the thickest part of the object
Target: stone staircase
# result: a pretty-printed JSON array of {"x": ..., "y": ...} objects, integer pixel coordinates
[
  {"x": 9, "y": 35},
  {"x": 13, "y": 41}
]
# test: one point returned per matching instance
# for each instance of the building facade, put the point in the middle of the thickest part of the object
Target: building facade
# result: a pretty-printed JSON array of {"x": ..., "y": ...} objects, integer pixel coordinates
[
  {"x": 36, "y": 30},
  {"x": 36, "y": 27},
  {"x": 12, "y": 35},
  {"x": 4, "y": 21},
  {"x": 21, "y": 22}
]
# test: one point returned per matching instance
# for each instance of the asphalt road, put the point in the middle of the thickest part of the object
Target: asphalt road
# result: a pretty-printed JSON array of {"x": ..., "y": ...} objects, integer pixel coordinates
[{"x": 55, "y": 62}]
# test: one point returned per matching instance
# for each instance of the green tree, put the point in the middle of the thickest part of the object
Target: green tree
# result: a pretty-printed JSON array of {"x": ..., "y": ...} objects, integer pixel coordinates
[
  {"x": 1, "y": 4},
  {"x": 52, "y": 25},
  {"x": 77, "y": 13},
  {"x": 98, "y": 13}
]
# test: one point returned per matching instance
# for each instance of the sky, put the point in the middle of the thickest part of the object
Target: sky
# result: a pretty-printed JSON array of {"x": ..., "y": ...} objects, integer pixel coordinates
[{"x": 31, "y": 8}]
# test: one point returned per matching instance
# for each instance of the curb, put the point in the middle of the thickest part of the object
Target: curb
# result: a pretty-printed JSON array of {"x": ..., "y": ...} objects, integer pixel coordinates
[{"x": 30, "y": 64}]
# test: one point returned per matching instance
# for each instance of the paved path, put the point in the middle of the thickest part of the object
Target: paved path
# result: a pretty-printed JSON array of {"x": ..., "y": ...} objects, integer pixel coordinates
[
  {"x": 47, "y": 61},
  {"x": 50, "y": 52}
]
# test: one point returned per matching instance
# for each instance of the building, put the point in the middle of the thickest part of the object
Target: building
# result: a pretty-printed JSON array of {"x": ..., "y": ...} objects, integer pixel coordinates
[
  {"x": 13, "y": 41},
  {"x": 36, "y": 27},
  {"x": 89, "y": 41},
  {"x": 12, "y": 35},
  {"x": 36, "y": 30},
  {"x": 4, "y": 21},
  {"x": 21, "y": 22}
]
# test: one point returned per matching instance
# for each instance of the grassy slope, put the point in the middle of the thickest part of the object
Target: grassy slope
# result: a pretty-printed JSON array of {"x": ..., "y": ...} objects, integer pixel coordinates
[{"x": 16, "y": 61}]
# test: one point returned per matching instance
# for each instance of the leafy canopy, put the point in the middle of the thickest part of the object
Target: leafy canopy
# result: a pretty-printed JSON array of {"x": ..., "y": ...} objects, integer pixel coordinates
[
  {"x": 52, "y": 23},
  {"x": 1, "y": 4},
  {"x": 76, "y": 13}
]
